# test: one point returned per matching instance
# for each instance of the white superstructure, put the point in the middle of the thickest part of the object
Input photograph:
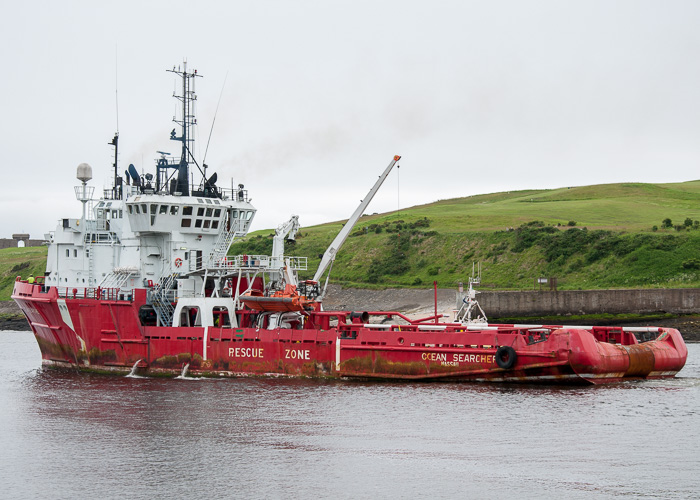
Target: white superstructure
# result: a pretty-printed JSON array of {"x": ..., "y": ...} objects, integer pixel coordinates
[{"x": 161, "y": 233}]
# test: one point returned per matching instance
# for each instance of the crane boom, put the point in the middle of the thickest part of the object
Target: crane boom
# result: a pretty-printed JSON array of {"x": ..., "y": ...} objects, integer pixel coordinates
[
  {"x": 288, "y": 230},
  {"x": 332, "y": 250}
]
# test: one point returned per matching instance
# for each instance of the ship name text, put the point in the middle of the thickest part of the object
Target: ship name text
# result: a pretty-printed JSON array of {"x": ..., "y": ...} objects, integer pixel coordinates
[{"x": 455, "y": 359}]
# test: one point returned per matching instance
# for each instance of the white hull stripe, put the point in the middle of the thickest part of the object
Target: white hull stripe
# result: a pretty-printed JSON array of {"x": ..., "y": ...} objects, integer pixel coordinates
[
  {"x": 337, "y": 354},
  {"x": 65, "y": 315},
  {"x": 663, "y": 374}
]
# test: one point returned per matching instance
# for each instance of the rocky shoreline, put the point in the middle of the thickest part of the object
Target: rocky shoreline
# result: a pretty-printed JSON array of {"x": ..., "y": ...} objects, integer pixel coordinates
[
  {"x": 11, "y": 318},
  {"x": 414, "y": 303}
]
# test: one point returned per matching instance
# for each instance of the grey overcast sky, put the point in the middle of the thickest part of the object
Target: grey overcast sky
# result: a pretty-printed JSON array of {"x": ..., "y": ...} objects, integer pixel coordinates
[{"x": 476, "y": 96}]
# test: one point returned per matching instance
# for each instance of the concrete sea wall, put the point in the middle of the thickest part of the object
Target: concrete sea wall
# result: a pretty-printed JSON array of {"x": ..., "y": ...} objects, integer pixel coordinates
[
  {"x": 523, "y": 303},
  {"x": 579, "y": 302}
]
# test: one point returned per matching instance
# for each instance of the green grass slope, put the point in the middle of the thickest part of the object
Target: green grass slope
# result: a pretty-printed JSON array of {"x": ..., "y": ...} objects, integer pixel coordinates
[
  {"x": 605, "y": 236},
  {"x": 19, "y": 262}
]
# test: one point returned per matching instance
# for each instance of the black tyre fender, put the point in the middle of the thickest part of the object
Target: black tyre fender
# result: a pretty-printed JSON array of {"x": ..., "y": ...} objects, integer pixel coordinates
[{"x": 506, "y": 357}]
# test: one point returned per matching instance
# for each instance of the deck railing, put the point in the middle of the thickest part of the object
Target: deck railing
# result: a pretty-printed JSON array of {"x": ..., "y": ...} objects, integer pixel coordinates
[
  {"x": 98, "y": 293},
  {"x": 261, "y": 262}
]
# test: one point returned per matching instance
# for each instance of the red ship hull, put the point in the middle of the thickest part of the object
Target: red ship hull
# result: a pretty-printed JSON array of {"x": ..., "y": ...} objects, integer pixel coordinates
[{"x": 100, "y": 332}]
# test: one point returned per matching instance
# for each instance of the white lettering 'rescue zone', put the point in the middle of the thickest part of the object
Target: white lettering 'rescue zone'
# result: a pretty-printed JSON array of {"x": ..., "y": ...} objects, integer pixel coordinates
[
  {"x": 245, "y": 352},
  {"x": 297, "y": 354}
]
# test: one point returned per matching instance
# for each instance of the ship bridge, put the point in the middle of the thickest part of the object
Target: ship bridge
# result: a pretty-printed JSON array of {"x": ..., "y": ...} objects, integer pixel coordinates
[{"x": 189, "y": 215}]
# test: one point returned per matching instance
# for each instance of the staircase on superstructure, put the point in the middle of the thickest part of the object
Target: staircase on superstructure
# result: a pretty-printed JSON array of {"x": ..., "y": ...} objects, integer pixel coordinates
[
  {"x": 223, "y": 243},
  {"x": 162, "y": 296},
  {"x": 118, "y": 278}
]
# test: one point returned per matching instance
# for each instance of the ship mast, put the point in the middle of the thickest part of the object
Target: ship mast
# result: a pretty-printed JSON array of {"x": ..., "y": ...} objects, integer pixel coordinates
[
  {"x": 117, "y": 186},
  {"x": 188, "y": 120}
]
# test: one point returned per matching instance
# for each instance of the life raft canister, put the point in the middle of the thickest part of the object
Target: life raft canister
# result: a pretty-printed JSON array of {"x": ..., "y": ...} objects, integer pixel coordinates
[
  {"x": 178, "y": 262},
  {"x": 506, "y": 357}
]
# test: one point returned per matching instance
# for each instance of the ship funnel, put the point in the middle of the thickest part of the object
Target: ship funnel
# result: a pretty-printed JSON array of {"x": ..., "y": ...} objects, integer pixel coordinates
[{"x": 84, "y": 173}]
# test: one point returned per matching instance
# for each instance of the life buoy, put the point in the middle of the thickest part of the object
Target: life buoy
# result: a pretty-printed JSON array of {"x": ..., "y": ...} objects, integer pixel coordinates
[
  {"x": 505, "y": 357},
  {"x": 178, "y": 262}
]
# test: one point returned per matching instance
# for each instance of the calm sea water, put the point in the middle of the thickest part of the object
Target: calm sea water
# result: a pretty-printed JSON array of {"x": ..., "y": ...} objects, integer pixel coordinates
[{"x": 69, "y": 435}]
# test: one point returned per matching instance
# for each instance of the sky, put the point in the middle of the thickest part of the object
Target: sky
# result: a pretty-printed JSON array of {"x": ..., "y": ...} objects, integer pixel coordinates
[{"x": 307, "y": 102}]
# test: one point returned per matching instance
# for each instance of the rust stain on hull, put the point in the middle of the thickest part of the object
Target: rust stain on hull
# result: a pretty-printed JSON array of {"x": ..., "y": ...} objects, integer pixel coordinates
[{"x": 641, "y": 360}]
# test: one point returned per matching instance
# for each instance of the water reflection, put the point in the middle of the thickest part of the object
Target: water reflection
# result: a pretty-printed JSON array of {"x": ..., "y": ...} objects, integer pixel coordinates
[{"x": 150, "y": 437}]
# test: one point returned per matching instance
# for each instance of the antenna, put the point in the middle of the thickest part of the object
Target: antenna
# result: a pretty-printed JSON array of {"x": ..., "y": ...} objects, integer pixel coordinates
[
  {"x": 116, "y": 185},
  {"x": 116, "y": 85},
  {"x": 212, "y": 123},
  {"x": 398, "y": 192}
]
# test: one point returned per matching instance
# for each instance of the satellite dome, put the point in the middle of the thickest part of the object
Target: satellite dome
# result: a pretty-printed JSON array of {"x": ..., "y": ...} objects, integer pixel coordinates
[{"x": 84, "y": 172}]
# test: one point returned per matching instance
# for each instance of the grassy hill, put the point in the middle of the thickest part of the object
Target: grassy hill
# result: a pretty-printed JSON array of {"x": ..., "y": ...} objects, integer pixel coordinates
[
  {"x": 604, "y": 236},
  {"x": 19, "y": 262}
]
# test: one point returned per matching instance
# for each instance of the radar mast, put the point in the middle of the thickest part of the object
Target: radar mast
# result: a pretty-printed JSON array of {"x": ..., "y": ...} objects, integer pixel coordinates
[{"x": 188, "y": 120}]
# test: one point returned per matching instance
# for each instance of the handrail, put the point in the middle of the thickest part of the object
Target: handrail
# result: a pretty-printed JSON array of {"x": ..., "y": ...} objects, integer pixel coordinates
[{"x": 97, "y": 293}]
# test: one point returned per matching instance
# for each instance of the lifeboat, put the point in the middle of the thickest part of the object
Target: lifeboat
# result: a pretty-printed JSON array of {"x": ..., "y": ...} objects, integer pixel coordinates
[{"x": 287, "y": 300}]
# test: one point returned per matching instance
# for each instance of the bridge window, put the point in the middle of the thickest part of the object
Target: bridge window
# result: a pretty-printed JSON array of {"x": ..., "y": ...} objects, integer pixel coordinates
[
  {"x": 198, "y": 223},
  {"x": 186, "y": 210},
  {"x": 206, "y": 224},
  {"x": 217, "y": 212},
  {"x": 215, "y": 224},
  {"x": 174, "y": 209},
  {"x": 163, "y": 209},
  {"x": 186, "y": 223},
  {"x": 200, "y": 211},
  {"x": 209, "y": 212},
  {"x": 144, "y": 208},
  {"x": 136, "y": 207}
]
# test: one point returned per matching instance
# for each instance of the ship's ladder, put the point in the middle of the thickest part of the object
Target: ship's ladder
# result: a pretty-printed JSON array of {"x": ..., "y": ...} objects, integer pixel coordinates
[
  {"x": 92, "y": 279},
  {"x": 223, "y": 243},
  {"x": 161, "y": 297}
]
